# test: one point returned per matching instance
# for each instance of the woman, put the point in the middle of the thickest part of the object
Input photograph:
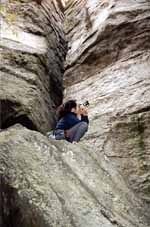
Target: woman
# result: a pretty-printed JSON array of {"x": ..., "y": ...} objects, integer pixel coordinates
[{"x": 73, "y": 122}]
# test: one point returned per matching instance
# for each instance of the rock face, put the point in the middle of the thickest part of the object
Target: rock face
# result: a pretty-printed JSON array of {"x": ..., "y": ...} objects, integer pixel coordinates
[
  {"x": 128, "y": 146},
  {"x": 32, "y": 50},
  {"x": 101, "y": 33},
  {"x": 108, "y": 63},
  {"x": 48, "y": 183}
]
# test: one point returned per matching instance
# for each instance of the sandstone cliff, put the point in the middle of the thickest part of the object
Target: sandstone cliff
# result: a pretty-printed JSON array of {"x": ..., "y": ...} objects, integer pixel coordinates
[{"x": 105, "y": 180}]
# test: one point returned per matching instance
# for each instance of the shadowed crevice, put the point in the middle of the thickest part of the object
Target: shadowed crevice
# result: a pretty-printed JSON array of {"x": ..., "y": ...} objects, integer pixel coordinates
[
  {"x": 15, "y": 210},
  {"x": 10, "y": 114},
  {"x": 10, "y": 214}
]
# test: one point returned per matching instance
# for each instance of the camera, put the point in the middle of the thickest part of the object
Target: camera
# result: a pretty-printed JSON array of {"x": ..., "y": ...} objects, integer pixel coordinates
[{"x": 86, "y": 104}]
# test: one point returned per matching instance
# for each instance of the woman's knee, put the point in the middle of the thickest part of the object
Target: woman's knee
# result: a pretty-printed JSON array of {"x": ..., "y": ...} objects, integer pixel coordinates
[{"x": 84, "y": 125}]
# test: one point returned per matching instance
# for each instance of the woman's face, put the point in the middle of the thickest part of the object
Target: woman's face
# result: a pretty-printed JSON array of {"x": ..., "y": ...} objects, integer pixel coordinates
[{"x": 76, "y": 110}]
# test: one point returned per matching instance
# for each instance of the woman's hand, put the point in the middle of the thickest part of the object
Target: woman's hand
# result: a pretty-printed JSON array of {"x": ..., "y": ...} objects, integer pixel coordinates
[{"x": 83, "y": 111}]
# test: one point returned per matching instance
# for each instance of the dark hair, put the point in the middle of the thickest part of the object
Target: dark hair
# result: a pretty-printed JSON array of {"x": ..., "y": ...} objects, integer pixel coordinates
[{"x": 65, "y": 108}]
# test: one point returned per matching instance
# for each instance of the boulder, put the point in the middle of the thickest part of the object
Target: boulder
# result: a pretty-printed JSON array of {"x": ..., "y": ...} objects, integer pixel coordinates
[
  {"x": 48, "y": 183},
  {"x": 32, "y": 50}
]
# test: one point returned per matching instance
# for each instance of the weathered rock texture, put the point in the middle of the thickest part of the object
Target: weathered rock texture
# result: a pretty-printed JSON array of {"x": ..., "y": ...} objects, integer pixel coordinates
[
  {"x": 128, "y": 146},
  {"x": 105, "y": 180},
  {"x": 55, "y": 184},
  {"x": 108, "y": 63},
  {"x": 104, "y": 32},
  {"x": 32, "y": 51}
]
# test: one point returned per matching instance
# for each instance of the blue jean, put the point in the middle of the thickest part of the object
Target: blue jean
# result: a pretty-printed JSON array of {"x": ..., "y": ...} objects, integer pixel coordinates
[
  {"x": 77, "y": 131},
  {"x": 74, "y": 134}
]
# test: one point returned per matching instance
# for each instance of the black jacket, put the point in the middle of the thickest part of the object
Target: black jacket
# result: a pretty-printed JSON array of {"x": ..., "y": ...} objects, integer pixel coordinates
[{"x": 69, "y": 120}]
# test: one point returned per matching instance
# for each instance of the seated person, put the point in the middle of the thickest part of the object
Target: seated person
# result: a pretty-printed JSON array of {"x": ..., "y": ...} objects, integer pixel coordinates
[{"x": 73, "y": 122}]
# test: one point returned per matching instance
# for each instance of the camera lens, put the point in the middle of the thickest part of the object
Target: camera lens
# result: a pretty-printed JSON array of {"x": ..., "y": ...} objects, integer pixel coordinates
[{"x": 86, "y": 103}]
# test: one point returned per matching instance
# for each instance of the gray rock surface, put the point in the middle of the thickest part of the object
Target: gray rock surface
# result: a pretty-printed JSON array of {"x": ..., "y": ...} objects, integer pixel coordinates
[
  {"x": 108, "y": 63},
  {"x": 128, "y": 146},
  {"x": 32, "y": 51},
  {"x": 46, "y": 183},
  {"x": 101, "y": 33}
]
